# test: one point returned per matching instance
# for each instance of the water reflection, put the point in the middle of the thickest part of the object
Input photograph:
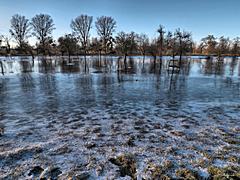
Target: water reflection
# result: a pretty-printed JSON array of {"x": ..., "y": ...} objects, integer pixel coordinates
[
  {"x": 134, "y": 65},
  {"x": 52, "y": 84},
  {"x": 46, "y": 65}
]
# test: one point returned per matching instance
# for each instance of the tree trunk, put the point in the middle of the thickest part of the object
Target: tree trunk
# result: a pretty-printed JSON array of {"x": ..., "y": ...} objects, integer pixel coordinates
[
  {"x": 180, "y": 59},
  {"x": 160, "y": 68},
  {"x": 105, "y": 60},
  {"x": 181, "y": 52},
  {"x": 118, "y": 67},
  {"x": 69, "y": 57},
  {"x": 173, "y": 55},
  {"x": 32, "y": 54},
  {"x": 8, "y": 49},
  {"x": 143, "y": 58},
  {"x": 125, "y": 62},
  {"x": 43, "y": 47},
  {"x": 154, "y": 62},
  {"x": 100, "y": 58},
  {"x": 2, "y": 67},
  {"x": 85, "y": 60}
]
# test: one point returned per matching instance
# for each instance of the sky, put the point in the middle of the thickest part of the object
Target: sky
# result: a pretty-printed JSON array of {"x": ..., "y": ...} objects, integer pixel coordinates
[{"x": 200, "y": 17}]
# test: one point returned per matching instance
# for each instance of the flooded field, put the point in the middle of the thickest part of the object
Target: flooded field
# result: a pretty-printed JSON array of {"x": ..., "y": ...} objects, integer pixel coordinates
[{"x": 107, "y": 123}]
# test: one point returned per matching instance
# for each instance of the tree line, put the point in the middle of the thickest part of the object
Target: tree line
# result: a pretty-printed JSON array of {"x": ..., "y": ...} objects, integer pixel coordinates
[{"x": 79, "y": 42}]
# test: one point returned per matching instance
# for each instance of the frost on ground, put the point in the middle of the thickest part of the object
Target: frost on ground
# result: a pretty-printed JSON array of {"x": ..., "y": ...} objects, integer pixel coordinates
[{"x": 144, "y": 126}]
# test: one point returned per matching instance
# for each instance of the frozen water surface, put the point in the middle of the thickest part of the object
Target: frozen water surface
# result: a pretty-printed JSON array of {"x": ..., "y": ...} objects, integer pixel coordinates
[{"x": 61, "y": 122}]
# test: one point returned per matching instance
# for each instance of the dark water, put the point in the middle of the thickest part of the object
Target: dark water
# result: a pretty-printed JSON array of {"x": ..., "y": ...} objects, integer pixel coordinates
[{"x": 54, "y": 104}]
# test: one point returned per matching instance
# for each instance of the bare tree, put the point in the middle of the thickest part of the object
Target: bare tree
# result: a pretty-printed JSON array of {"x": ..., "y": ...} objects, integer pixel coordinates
[
  {"x": 67, "y": 43},
  {"x": 235, "y": 47},
  {"x": 185, "y": 43},
  {"x": 105, "y": 28},
  {"x": 6, "y": 39},
  {"x": 95, "y": 46},
  {"x": 161, "y": 42},
  {"x": 209, "y": 44},
  {"x": 125, "y": 44},
  {"x": 20, "y": 28},
  {"x": 43, "y": 26},
  {"x": 223, "y": 46},
  {"x": 153, "y": 50},
  {"x": 142, "y": 44},
  {"x": 81, "y": 26},
  {"x": 200, "y": 48},
  {"x": 172, "y": 45}
]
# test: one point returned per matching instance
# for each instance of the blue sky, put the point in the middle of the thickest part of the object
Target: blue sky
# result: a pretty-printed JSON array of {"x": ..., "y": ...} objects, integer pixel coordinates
[{"x": 201, "y": 17}]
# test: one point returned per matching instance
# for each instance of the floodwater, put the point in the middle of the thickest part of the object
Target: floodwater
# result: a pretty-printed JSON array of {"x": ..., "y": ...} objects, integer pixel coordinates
[{"x": 63, "y": 122}]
